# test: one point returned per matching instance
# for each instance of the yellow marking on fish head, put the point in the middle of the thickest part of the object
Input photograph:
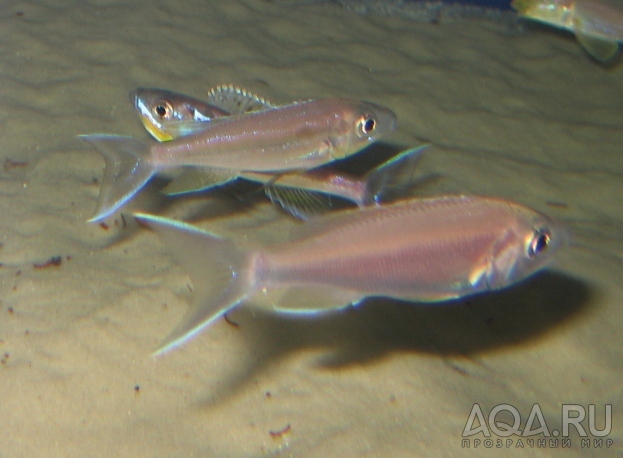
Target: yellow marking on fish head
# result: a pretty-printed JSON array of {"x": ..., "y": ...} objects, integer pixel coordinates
[
  {"x": 153, "y": 108},
  {"x": 155, "y": 130}
]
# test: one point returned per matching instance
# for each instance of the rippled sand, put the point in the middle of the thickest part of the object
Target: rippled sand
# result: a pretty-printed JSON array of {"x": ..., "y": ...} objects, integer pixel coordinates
[{"x": 516, "y": 111}]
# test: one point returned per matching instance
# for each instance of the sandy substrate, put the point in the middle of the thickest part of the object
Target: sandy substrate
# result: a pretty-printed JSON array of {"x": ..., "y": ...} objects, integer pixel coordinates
[{"x": 517, "y": 112}]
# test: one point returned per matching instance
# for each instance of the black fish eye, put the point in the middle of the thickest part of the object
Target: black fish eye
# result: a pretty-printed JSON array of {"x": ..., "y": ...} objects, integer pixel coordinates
[
  {"x": 538, "y": 243},
  {"x": 163, "y": 110},
  {"x": 367, "y": 125}
]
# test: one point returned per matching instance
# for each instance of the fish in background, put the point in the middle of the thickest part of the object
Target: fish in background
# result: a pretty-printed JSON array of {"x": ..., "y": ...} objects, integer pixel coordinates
[
  {"x": 299, "y": 136},
  {"x": 424, "y": 250},
  {"x": 310, "y": 193},
  {"x": 597, "y": 24},
  {"x": 167, "y": 115}
]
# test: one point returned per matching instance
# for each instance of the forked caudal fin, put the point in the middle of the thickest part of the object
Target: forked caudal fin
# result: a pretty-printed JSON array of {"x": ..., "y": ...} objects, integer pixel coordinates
[
  {"x": 392, "y": 178},
  {"x": 217, "y": 268},
  {"x": 127, "y": 171}
]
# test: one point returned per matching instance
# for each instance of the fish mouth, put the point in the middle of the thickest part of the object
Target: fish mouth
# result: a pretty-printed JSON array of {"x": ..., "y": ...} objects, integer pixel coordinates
[
  {"x": 393, "y": 121},
  {"x": 388, "y": 121},
  {"x": 151, "y": 126},
  {"x": 133, "y": 96}
]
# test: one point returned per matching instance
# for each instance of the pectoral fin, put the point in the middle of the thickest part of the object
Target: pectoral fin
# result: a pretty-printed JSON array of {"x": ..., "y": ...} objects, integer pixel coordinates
[
  {"x": 601, "y": 49},
  {"x": 199, "y": 179},
  {"x": 189, "y": 127}
]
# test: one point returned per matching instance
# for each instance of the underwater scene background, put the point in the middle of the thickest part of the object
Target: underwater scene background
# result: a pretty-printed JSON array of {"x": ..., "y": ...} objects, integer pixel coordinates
[{"x": 513, "y": 109}]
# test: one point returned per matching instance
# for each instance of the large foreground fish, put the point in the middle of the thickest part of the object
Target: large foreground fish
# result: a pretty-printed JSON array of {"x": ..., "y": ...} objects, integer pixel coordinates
[
  {"x": 424, "y": 250},
  {"x": 167, "y": 115},
  {"x": 300, "y": 136},
  {"x": 597, "y": 24}
]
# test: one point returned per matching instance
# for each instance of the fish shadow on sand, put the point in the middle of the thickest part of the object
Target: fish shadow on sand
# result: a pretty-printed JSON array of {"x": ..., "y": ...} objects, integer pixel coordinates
[
  {"x": 379, "y": 328},
  {"x": 222, "y": 201},
  {"x": 228, "y": 201}
]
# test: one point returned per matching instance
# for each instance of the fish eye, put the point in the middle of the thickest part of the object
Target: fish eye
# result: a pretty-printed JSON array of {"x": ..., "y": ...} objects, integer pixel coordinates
[
  {"x": 538, "y": 243},
  {"x": 163, "y": 109},
  {"x": 367, "y": 125}
]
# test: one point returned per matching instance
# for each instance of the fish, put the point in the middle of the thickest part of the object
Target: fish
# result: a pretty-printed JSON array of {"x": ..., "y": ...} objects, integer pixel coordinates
[
  {"x": 426, "y": 250},
  {"x": 308, "y": 194},
  {"x": 157, "y": 107},
  {"x": 167, "y": 115},
  {"x": 298, "y": 136},
  {"x": 597, "y": 24},
  {"x": 303, "y": 195}
]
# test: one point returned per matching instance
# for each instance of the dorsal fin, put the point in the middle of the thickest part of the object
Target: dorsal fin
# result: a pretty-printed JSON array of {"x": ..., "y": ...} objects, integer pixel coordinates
[{"x": 236, "y": 101}]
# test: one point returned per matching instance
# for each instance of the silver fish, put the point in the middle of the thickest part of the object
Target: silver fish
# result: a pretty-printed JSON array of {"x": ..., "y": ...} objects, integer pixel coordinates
[
  {"x": 299, "y": 136},
  {"x": 158, "y": 108},
  {"x": 425, "y": 250},
  {"x": 167, "y": 115},
  {"x": 597, "y": 24}
]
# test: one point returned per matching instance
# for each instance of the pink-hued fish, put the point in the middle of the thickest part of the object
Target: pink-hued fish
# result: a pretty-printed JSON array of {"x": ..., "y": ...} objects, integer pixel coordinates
[
  {"x": 300, "y": 136},
  {"x": 309, "y": 194},
  {"x": 424, "y": 250},
  {"x": 167, "y": 115},
  {"x": 597, "y": 24}
]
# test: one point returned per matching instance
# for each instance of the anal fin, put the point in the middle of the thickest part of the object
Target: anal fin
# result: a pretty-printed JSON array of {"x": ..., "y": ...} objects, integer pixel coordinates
[
  {"x": 199, "y": 179},
  {"x": 305, "y": 300}
]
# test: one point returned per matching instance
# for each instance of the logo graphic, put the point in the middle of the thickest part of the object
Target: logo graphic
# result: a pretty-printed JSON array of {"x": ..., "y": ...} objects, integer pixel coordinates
[{"x": 575, "y": 420}]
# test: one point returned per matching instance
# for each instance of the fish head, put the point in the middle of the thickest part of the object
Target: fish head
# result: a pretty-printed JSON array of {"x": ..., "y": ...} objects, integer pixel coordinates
[
  {"x": 167, "y": 115},
  {"x": 525, "y": 247},
  {"x": 361, "y": 123},
  {"x": 558, "y": 13}
]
